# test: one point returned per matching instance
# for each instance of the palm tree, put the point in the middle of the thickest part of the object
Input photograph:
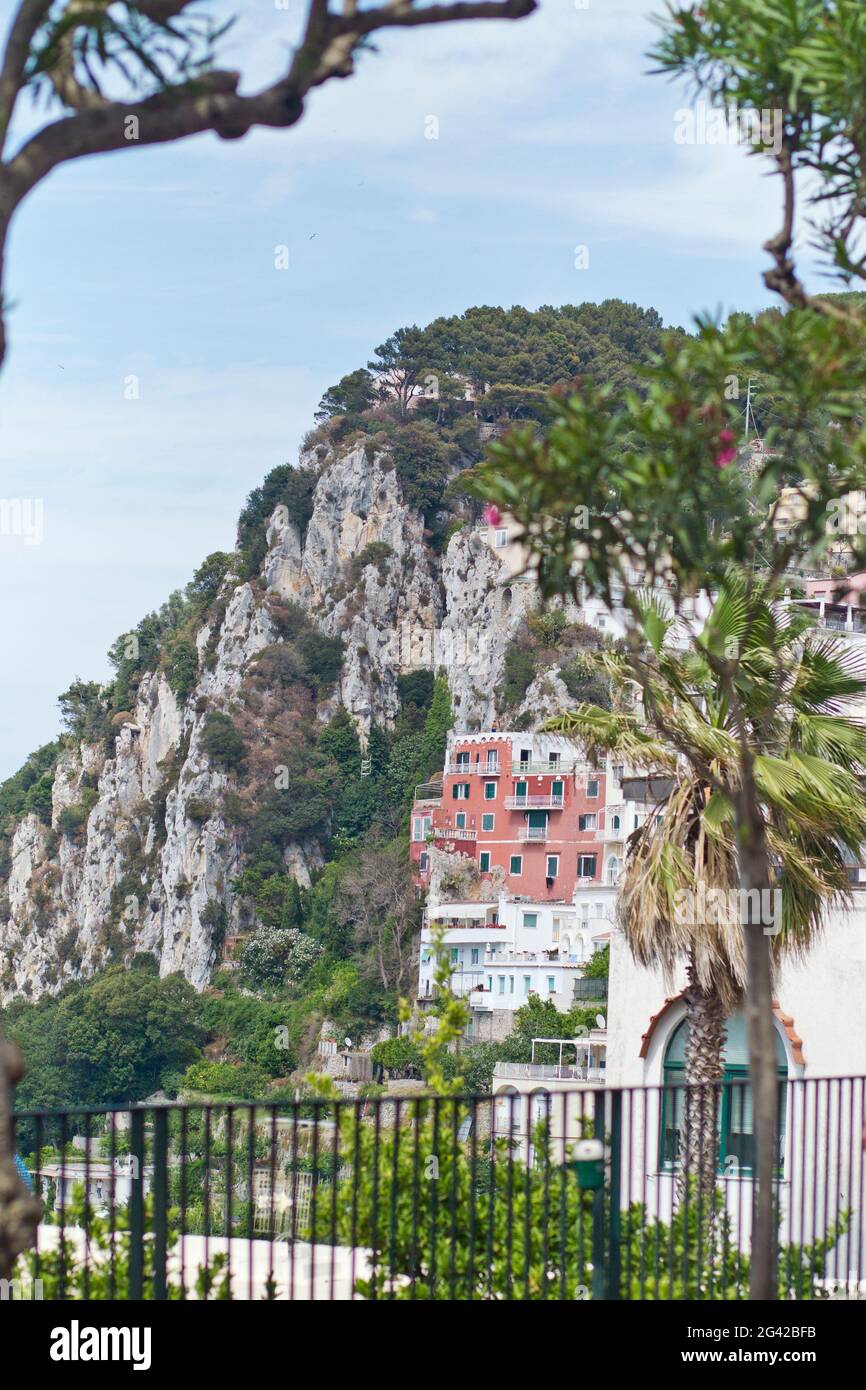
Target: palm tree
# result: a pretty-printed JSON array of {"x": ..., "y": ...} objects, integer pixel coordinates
[{"x": 787, "y": 698}]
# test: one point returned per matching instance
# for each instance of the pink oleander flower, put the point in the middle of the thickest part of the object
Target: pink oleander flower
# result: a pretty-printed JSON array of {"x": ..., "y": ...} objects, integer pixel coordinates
[
  {"x": 491, "y": 514},
  {"x": 728, "y": 451}
]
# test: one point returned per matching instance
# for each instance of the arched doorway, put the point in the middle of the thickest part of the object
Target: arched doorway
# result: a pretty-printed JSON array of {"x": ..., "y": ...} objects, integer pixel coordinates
[{"x": 736, "y": 1117}]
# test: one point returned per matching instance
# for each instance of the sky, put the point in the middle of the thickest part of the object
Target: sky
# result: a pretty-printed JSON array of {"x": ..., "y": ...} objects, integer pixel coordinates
[{"x": 151, "y": 273}]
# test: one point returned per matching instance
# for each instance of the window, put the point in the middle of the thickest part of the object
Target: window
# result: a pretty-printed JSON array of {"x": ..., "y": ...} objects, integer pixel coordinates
[
  {"x": 484, "y": 861},
  {"x": 553, "y": 759},
  {"x": 735, "y": 1120},
  {"x": 552, "y": 865},
  {"x": 455, "y": 954},
  {"x": 586, "y": 865},
  {"x": 614, "y": 822},
  {"x": 489, "y": 791},
  {"x": 527, "y": 983},
  {"x": 617, "y": 771},
  {"x": 510, "y": 984},
  {"x": 488, "y": 820},
  {"x": 501, "y": 539},
  {"x": 460, "y": 791},
  {"x": 501, "y": 979},
  {"x": 592, "y": 787},
  {"x": 460, "y": 820},
  {"x": 557, "y": 923},
  {"x": 520, "y": 789},
  {"x": 417, "y": 831},
  {"x": 551, "y": 984},
  {"x": 423, "y": 861},
  {"x": 492, "y": 758},
  {"x": 509, "y": 1111},
  {"x": 613, "y": 870},
  {"x": 515, "y": 864},
  {"x": 530, "y": 920},
  {"x": 587, "y": 821},
  {"x": 556, "y": 790},
  {"x": 490, "y": 983},
  {"x": 474, "y": 957},
  {"x": 525, "y": 757}
]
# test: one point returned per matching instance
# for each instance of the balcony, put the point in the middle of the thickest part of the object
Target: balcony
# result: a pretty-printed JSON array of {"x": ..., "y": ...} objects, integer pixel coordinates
[
  {"x": 537, "y": 1071},
  {"x": 446, "y": 832},
  {"x": 532, "y": 834},
  {"x": 430, "y": 792},
  {"x": 590, "y": 989},
  {"x": 466, "y": 982},
  {"x": 543, "y": 769},
  {"x": 481, "y": 768},
  {"x": 609, "y": 835},
  {"x": 535, "y": 803},
  {"x": 461, "y": 924}
]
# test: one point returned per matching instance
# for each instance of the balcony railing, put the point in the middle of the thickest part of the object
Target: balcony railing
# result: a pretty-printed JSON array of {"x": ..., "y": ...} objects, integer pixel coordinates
[
  {"x": 485, "y": 769},
  {"x": 538, "y": 1071},
  {"x": 541, "y": 768},
  {"x": 429, "y": 791},
  {"x": 610, "y": 834},
  {"x": 590, "y": 989},
  {"x": 532, "y": 834},
  {"x": 447, "y": 832},
  {"x": 535, "y": 803},
  {"x": 462, "y": 924}
]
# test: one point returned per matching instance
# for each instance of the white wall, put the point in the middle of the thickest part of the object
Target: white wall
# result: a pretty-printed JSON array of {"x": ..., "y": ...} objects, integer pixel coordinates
[{"x": 825, "y": 994}]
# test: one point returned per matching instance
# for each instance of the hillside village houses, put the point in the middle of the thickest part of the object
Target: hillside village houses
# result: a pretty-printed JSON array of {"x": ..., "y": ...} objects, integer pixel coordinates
[{"x": 519, "y": 845}]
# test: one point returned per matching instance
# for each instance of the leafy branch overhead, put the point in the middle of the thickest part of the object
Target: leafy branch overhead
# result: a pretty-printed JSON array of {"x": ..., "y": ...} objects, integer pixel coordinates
[{"x": 145, "y": 73}]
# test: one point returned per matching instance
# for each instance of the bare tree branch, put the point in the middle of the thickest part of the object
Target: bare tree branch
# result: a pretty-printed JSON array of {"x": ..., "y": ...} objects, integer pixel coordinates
[
  {"x": 28, "y": 19},
  {"x": 210, "y": 102}
]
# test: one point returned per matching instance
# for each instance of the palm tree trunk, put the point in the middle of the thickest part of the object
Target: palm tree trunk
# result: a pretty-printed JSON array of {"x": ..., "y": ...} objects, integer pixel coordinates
[
  {"x": 696, "y": 1180},
  {"x": 754, "y": 875}
]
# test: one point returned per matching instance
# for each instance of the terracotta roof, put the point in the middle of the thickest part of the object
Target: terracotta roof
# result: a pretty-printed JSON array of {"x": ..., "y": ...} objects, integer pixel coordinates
[{"x": 786, "y": 1021}]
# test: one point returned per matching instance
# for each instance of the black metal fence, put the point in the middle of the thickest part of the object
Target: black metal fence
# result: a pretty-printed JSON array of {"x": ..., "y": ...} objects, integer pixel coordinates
[{"x": 555, "y": 1192}]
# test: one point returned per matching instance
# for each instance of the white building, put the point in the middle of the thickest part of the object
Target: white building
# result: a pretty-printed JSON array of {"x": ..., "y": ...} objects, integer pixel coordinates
[
  {"x": 503, "y": 953},
  {"x": 821, "y": 1041}
]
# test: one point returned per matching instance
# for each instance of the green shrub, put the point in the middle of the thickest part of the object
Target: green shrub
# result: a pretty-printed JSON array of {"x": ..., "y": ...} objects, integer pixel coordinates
[
  {"x": 240, "y": 1082},
  {"x": 322, "y": 657},
  {"x": 182, "y": 666},
  {"x": 519, "y": 668},
  {"x": 72, "y": 818},
  {"x": 222, "y": 742},
  {"x": 286, "y": 486}
]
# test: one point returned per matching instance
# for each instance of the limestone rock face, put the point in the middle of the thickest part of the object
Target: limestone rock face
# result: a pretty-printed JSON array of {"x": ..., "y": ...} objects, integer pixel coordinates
[{"x": 139, "y": 855}]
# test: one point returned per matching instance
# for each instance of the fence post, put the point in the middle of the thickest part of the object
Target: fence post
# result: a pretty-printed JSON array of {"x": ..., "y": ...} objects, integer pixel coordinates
[
  {"x": 598, "y": 1276},
  {"x": 136, "y": 1205},
  {"x": 613, "y": 1263},
  {"x": 160, "y": 1202}
]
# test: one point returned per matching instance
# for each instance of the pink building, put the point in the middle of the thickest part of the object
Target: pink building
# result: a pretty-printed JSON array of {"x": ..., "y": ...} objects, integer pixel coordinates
[{"x": 523, "y": 803}]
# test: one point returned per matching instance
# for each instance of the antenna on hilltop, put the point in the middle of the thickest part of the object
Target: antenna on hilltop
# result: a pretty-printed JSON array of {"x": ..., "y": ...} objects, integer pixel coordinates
[{"x": 749, "y": 415}]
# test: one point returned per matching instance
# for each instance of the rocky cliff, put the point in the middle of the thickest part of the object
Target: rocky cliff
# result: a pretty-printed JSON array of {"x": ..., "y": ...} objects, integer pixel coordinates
[{"x": 151, "y": 865}]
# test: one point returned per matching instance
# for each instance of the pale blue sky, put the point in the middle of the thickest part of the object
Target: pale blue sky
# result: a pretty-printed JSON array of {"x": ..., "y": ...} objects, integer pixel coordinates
[{"x": 160, "y": 263}]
